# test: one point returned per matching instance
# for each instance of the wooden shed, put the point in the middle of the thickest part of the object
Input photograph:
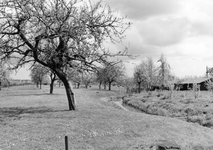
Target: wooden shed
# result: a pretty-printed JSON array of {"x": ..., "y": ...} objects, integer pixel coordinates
[
  {"x": 188, "y": 84},
  {"x": 167, "y": 145}
]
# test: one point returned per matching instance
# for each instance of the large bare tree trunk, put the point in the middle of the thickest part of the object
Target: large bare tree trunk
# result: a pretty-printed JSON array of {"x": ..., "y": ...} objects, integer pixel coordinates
[
  {"x": 52, "y": 77},
  {"x": 110, "y": 83},
  {"x": 139, "y": 87},
  {"x": 40, "y": 83},
  {"x": 70, "y": 95},
  {"x": 0, "y": 85},
  {"x": 69, "y": 92},
  {"x": 99, "y": 85},
  {"x": 104, "y": 85},
  {"x": 51, "y": 86}
]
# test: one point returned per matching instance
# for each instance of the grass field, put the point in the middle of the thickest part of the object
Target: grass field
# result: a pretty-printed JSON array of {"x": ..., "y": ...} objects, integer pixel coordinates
[
  {"x": 183, "y": 105},
  {"x": 31, "y": 119}
]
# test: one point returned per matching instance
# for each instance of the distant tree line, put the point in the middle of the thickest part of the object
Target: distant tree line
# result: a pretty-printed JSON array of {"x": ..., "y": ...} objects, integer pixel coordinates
[
  {"x": 109, "y": 74},
  {"x": 105, "y": 76}
]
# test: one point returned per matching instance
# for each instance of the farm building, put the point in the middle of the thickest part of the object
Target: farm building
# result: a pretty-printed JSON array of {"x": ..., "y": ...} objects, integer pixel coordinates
[{"x": 188, "y": 84}]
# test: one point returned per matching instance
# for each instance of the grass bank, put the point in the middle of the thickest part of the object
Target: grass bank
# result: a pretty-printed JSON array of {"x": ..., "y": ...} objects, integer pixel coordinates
[
  {"x": 31, "y": 118},
  {"x": 182, "y": 105}
]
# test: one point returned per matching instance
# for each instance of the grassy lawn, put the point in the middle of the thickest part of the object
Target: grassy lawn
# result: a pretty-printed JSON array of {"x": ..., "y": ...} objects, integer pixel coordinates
[
  {"x": 31, "y": 119},
  {"x": 182, "y": 104}
]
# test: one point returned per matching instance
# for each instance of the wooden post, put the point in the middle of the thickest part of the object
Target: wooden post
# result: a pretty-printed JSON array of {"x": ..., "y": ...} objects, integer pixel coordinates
[{"x": 66, "y": 143}]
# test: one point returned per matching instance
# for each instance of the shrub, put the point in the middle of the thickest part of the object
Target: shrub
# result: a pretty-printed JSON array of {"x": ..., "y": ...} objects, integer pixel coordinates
[
  {"x": 165, "y": 97},
  {"x": 209, "y": 116},
  {"x": 162, "y": 112},
  {"x": 187, "y": 101},
  {"x": 143, "y": 100},
  {"x": 126, "y": 100},
  {"x": 196, "y": 119},
  {"x": 197, "y": 111},
  {"x": 198, "y": 148},
  {"x": 150, "y": 109},
  {"x": 182, "y": 95},
  {"x": 208, "y": 123}
]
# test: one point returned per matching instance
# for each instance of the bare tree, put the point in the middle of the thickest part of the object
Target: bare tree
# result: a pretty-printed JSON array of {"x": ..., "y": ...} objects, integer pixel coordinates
[
  {"x": 163, "y": 71},
  {"x": 4, "y": 74},
  {"x": 87, "y": 78},
  {"x": 53, "y": 78},
  {"x": 113, "y": 73},
  {"x": 150, "y": 73},
  {"x": 75, "y": 75},
  {"x": 129, "y": 85},
  {"x": 209, "y": 71},
  {"x": 100, "y": 76},
  {"x": 209, "y": 84},
  {"x": 145, "y": 74},
  {"x": 56, "y": 33},
  {"x": 109, "y": 73},
  {"x": 139, "y": 75},
  {"x": 38, "y": 74}
]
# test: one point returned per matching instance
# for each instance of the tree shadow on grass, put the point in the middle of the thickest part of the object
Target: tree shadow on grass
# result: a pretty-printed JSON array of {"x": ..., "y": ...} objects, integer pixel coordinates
[
  {"x": 15, "y": 112},
  {"x": 31, "y": 94}
]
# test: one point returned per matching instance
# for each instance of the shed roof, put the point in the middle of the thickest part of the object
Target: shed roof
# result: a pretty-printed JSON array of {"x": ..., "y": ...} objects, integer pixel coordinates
[
  {"x": 195, "y": 80},
  {"x": 168, "y": 145}
]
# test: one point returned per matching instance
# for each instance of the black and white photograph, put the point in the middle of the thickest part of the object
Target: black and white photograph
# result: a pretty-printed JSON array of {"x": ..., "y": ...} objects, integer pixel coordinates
[{"x": 106, "y": 75}]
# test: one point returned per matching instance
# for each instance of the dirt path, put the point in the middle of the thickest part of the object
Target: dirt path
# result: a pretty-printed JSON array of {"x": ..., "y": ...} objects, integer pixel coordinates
[
  {"x": 41, "y": 122},
  {"x": 117, "y": 103}
]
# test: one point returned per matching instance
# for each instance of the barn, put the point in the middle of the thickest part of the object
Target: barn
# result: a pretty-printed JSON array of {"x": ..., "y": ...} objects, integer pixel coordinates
[{"x": 188, "y": 84}]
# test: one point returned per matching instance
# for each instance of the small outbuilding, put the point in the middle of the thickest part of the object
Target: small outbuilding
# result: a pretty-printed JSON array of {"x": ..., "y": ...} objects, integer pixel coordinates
[
  {"x": 188, "y": 84},
  {"x": 167, "y": 145}
]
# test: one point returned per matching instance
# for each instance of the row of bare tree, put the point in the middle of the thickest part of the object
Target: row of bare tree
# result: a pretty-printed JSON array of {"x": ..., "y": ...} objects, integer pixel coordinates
[
  {"x": 105, "y": 75},
  {"x": 59, "y": 34},
  {"x": 148, "y": 76},
  {"x": 110, "y": 73},
  {"x": 41, "y": 74}
]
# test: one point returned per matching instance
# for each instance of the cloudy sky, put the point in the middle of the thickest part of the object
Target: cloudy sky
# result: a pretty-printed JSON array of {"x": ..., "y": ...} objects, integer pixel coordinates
[{"x": 180, "y": 29}]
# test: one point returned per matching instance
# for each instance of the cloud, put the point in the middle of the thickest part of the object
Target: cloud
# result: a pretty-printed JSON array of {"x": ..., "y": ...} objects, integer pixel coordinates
[
  {"x": 138, "y": 44},
  {"x": 22, "y": 73},
  {"x": 202, "y": 28},
  {"x": 199, "y": 14},
  {"x": 164, "y": 31},
  {"x": 141, "y": 9},
  {"x": 182, "y": 30}
]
